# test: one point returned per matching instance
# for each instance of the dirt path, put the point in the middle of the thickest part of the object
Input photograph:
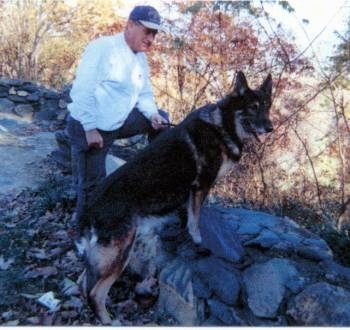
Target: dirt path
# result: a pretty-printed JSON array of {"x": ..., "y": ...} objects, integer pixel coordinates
[{"x": 22, "y": 146}]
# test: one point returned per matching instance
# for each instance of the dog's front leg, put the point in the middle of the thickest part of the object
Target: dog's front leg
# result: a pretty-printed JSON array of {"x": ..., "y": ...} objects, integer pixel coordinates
[{"x": 194, "y": 204}]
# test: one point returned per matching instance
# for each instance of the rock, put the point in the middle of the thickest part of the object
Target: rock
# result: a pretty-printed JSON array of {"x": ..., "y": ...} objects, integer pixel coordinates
[
  {"x": 34, "y": 97},
  {"x": 65, "y": 93},
  {"x": 51, "y": 94},
  {"x": 314, "y": 252},
  {"x": 265, "y": 300},
  {"x": 320, "y": 304},
  {"x": 62, "y": 115},
  {"x": 335, "y": 271},
  {"x": 264, "y": 220},
  {"x": 48, "y": 111},
  {"x": 22, "y": 93},
  {"x": 219, "y": 278},
  {"x": 24, "y": 111},
  {"x": 249, "y": 228},
  {"x": 6, "y": 106},
  {"x": 62, "y": 104},
  {"x": 314, "y": 248},
  {"x": 16, "y": 98},
  {"x": 292, "y": 236},
  {"x": 227, "y": 315},
  {"x": 176, "y": 295},
  {"x": 29, "y": 87},
  {"x": 218, "y": 234},
  {"x": 265, "y": 239}
]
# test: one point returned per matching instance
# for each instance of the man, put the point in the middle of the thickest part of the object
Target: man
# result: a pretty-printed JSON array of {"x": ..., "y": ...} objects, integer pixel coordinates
[{"x": 112, "y": 98}]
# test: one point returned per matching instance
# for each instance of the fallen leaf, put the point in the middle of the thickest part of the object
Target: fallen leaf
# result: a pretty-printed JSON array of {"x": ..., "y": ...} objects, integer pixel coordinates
[
  {"x": 32, "y": 232},
  {"x": 56, "y": 252},
  {"x": 41, "y": 272},
  {"x": 4, "y": 265},
  {"x": 73, "y": 302},
  {"x": 37, "y": 254},
  {"x": 34, "y": 320},
  {"x": 70, "y": 314},
  {"x": 47, "y": 318},
  {"x": 30, "y": 296},
  {"x": 70, "y": 288},
  {"x": 10, "y": 225}
]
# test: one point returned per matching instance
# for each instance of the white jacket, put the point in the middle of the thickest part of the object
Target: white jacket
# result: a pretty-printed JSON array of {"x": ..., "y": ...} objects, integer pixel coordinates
[{"x": 110, "y": 81}]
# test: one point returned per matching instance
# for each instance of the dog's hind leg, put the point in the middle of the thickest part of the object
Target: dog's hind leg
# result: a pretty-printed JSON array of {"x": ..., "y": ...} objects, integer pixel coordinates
[
  {"x": 109, "y": 262},
  {"x": 99, "y": 294}
]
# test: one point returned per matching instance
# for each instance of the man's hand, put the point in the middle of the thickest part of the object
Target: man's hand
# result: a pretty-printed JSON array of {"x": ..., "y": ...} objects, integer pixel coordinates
[
  {"x": 94, "y": 139},
  {"x": 158, "y": 121}
]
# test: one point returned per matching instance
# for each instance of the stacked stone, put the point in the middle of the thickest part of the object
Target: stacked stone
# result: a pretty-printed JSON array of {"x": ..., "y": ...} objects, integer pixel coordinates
[
  {"x": 33, "y": 102},
  {"x": 45, "y": 107},
  {"x": 259, "y": 270}
]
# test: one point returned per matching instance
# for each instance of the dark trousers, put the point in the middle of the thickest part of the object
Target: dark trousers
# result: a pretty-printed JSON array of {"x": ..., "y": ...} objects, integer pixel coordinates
[{"x": 89, "y": 164}]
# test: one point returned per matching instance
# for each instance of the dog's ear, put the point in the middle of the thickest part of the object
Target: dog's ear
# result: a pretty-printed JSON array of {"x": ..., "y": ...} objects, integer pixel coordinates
[
  {"x": 241, "y": 85},
  {"x": 266, "y": 86}
]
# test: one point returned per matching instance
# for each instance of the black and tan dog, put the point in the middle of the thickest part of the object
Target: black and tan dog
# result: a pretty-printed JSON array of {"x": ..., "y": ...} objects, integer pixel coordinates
[{"x": 174, "y": 171}]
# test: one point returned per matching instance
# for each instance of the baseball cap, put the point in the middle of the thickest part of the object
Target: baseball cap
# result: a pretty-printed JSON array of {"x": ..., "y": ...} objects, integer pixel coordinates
[{"x": 147, "y": 16}]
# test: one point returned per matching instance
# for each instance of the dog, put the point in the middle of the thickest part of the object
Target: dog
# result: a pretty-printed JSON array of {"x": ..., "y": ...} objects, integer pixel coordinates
[{"x": 175, "y": 171}]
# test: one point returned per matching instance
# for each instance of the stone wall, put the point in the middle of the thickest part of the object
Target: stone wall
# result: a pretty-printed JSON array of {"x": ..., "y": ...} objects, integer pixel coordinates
[
  {"x": 34, "y": 102},
  {"x": 47, "y": 108}
]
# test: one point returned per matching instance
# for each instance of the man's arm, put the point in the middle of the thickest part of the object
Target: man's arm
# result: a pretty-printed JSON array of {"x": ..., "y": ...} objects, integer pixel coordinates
[{"x": 88, "y": 76}]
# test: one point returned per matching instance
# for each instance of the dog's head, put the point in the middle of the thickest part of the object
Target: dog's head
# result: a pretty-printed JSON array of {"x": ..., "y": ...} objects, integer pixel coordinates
[{"x": 250, "y": 107}]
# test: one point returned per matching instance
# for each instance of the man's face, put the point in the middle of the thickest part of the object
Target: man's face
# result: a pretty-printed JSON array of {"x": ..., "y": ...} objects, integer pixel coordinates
[{"x": 140, "y": 38}]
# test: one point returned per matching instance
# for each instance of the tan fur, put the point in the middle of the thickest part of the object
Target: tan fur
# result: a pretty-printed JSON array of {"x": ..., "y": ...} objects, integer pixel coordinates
[
  {"x": 109, "y": 262},
  {"x": 225, "y": 167}
]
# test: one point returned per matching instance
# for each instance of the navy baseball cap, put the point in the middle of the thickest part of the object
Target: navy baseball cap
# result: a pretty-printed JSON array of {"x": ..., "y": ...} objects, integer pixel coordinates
[{"x": 147, "y": 16}]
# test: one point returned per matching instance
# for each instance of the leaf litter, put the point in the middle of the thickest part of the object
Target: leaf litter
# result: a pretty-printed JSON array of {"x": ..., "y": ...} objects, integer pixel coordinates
[{"x": 39, "y": 265}]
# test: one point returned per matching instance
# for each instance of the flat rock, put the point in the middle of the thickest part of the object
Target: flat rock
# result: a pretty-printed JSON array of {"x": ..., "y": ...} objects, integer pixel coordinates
[
  {"x": 266, "y": 284},
  {"x": 176, "y": 295},
  {"x": 219, "y": 278},
  {"x": 218, "y": 229}
]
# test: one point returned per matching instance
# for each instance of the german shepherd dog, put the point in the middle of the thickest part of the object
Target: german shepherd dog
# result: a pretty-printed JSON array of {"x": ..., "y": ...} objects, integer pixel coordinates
[{"x": 175, "y": 171}]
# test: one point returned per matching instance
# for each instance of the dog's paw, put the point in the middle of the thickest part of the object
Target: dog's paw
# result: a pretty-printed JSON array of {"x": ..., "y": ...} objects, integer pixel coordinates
[{"x": 197, "y": 238}]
